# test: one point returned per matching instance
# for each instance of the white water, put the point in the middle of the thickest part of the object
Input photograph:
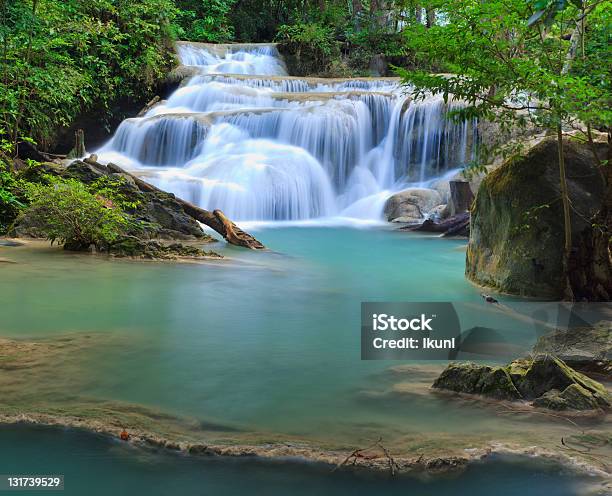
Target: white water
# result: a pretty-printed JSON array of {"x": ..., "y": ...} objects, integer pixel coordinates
[{"x": 244, "y": 137}]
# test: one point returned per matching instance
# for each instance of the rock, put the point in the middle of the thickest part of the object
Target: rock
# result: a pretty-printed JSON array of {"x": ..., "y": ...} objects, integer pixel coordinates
[
  {"x": 411, "y": 205},
  {"x": 573, "y": 397},
  {"x": 161, "y": 215},
  {"x": 552, "y": 400},
  {"x": 378, "y": 65},
  {"x": 579, "y": 398},
  {"x": 546, "y": 372},
  {"x": 583, "y": 348},
  {"x": 494, "y": 382},
  {"x": 156, "y": 250},
  {"x": 546, "y": 380},
  {"x": 438, "y": 213},
  {"x": 461, "y": 197},
  {"x": 516, "y": 232}
]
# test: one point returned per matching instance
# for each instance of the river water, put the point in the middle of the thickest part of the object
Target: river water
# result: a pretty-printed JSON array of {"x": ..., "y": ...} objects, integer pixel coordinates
[{"x": 262, "y": 342}]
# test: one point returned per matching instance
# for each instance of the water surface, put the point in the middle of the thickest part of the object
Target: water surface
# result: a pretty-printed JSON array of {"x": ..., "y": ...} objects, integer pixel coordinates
[{"x": 95, "y": 465}]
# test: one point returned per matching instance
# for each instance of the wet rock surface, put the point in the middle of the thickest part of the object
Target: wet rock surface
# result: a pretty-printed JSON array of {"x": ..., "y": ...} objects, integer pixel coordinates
[
  {"x": 544, "y": 380},
  {"x": 587, "y": 348},
  {"x": 411, "y": 205},
  {"x": 157, "y": 250}
]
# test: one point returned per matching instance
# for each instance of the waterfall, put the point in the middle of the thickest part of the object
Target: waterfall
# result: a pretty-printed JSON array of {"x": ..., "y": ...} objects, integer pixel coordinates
[{"x": 243, "y": 136}]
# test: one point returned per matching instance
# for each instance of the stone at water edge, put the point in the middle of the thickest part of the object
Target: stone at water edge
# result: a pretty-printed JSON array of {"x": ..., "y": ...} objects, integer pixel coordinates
[
  {"x": 582, "y": 348},
  {"x": 544, "y": 379},
  {"x": 516, "y": 231},
  {"x": 573, "y": 397},
  {"x": 470, "y": 378},
  {"x": 411, "y": 205}
]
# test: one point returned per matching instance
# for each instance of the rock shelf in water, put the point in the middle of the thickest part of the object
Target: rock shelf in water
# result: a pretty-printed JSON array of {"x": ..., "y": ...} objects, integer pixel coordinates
[{"x": 544, "y": 379}]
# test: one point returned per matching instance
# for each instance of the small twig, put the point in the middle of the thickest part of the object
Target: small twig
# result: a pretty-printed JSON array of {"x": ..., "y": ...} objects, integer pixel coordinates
[{"x": 358, "y": 453}]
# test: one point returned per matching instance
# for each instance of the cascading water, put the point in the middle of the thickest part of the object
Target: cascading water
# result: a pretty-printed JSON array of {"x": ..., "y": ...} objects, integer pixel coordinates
[{"x": 244, "y": 137}]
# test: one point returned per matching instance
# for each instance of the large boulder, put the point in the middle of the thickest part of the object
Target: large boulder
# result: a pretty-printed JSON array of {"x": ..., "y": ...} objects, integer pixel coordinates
[
  {"x": 542, "y": 379},
  {"x": 162, "y": 217},
  {"x": 516, "y": 233},
  {"x": 411, "y": 205}
]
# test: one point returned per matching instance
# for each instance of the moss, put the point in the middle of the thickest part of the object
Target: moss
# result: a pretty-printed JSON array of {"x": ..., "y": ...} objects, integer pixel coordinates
[
  {"x": 540, "y": 378},
  {"x": 517, "y": 232}
]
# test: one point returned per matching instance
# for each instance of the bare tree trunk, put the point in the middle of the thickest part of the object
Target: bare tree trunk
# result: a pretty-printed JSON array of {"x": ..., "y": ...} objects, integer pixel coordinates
[
  {"x": 357, "y": 12},
  {"x": 27, "y": 58},
  {"x": 431, "y": 16},
  {"x": 374, "y": 11}
]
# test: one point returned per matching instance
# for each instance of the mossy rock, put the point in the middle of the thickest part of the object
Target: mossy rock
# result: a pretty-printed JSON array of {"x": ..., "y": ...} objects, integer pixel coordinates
[
  {"x": 494, "y": 382},
  {"x": 547, "y": 372},
  {"x": 156, "y": 250},
  {"x": 517, "y": 233},
  {"x": 573, "y": 397},
  {"x": 545, "y": 379},
  {"x": 157, "y": 214},
  {"x": 586, "y": 348}
]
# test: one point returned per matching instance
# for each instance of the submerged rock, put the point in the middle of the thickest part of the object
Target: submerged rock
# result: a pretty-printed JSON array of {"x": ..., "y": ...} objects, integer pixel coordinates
[
  {"x": 583, "y": 348},
  {"x": 411, "y": 205},
  {"x": 516, "y": 232},
  {"x": 155, "y": 250},
  {"x": 543, "y": 379}
]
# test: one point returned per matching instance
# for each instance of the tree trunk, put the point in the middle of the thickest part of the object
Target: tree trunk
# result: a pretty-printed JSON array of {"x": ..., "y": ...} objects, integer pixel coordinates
[
  {"x": 567, "y": 224},
  {"x": 357, "y": 11},
  {"x": 461, "y": 197},
  {"x": 215, "y": 220},
  {"x": 431, "y": 16}
]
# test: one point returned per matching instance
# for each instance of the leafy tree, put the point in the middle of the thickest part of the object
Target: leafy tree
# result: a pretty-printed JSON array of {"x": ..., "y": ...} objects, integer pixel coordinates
[
  {"x": 59, "y": 58},
  {"x": 205, "y": 20},
  {"x": 513, "y": 65},
  {"x": 66, "y": 211}
]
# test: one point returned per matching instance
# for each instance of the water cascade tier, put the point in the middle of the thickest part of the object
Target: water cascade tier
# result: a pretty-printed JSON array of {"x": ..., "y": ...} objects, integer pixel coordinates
[{"x": 243, "y": 136}]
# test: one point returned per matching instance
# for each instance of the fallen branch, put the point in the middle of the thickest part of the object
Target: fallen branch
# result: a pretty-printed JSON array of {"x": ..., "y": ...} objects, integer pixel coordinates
[
  {"x": 359, "y": 454},
  {"x": 447, "y": 227},
  {"x": 216, "y": 220}
]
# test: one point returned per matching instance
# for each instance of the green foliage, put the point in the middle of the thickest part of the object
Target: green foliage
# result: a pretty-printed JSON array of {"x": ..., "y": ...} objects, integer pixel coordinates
[
  {"x": 10, "y": 202},
  {"x": 205, "y": 20},
  {"x": 66, "y": 211},
  {"x": 314, "y": 36},
  {"x": 513, "y": 71},
  {"x": 62, "y": 57}
]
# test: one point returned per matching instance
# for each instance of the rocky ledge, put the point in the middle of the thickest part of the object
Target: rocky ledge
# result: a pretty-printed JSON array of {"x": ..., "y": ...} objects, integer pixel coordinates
[
  {"x": 544, "y": 380},
  {"x": 588, "y": 348},
  {"x": 158, "y": 250}
]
